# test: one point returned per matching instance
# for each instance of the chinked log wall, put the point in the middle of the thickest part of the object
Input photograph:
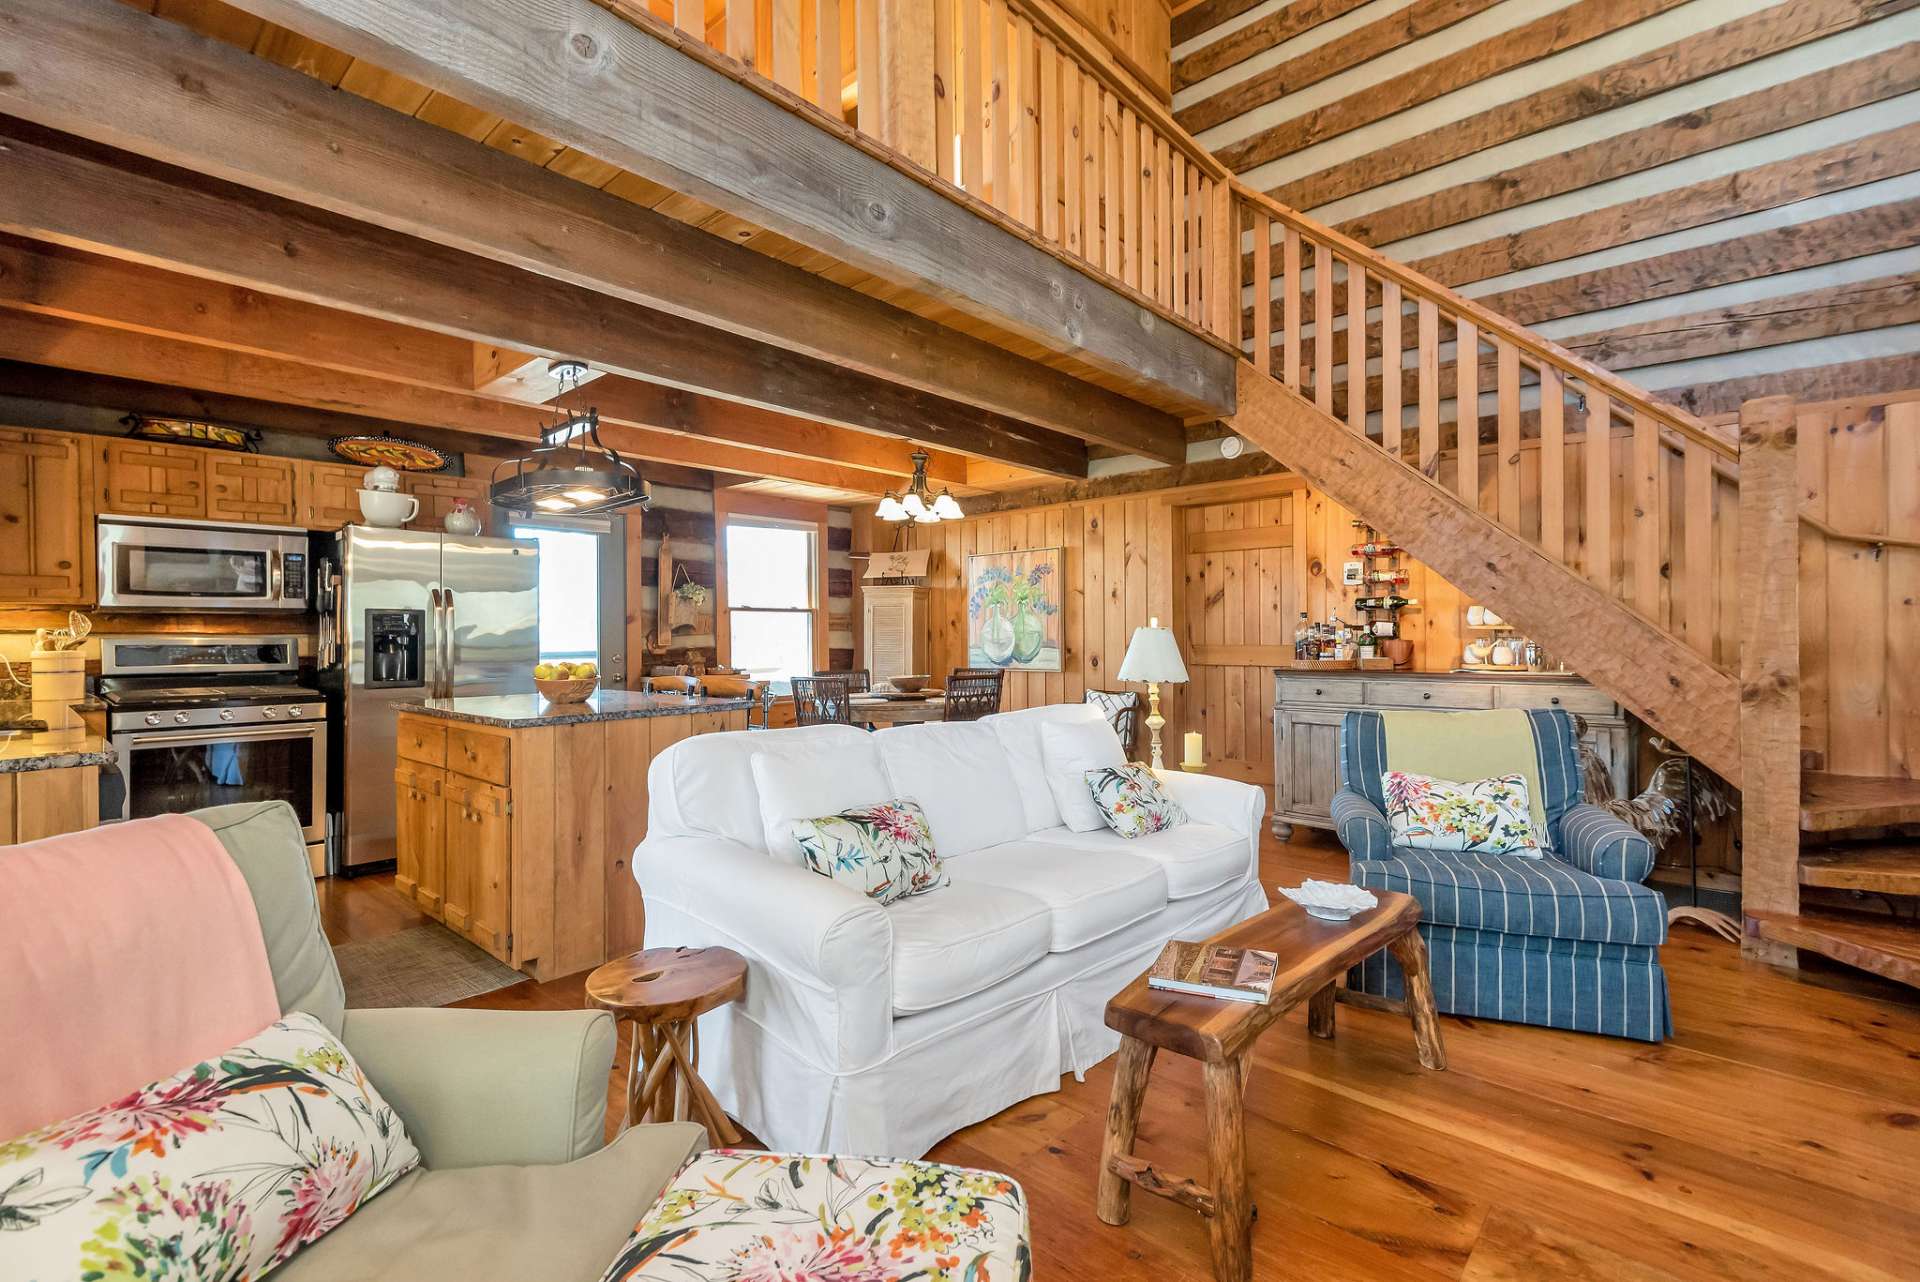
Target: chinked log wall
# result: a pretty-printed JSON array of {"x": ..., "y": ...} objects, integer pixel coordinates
[{"x": 1719, "y": 201}]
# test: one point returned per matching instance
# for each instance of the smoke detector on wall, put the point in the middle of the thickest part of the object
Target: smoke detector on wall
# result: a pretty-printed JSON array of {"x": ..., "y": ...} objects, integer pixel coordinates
[{"x": 1232, "y": 447}]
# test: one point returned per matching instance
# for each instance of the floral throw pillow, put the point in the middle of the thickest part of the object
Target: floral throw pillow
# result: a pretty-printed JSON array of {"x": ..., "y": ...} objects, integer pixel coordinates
[
  {"x": 780, "y": 1217},
  {"x": 1485, "y": 817},
  {"x": 883, "y": 851},
  {"x": 1132, "y": 801},
  {"x": 222, "y": 1171}
]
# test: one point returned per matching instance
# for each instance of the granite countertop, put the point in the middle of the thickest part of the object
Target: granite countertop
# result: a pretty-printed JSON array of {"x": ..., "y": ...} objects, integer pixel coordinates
[
  {"x": 604, "y": 705},
  {"x": 68, "y": 739}
]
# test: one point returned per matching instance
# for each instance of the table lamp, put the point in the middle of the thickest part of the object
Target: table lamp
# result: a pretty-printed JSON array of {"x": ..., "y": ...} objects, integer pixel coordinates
[{"x": 1153, "y": 656}]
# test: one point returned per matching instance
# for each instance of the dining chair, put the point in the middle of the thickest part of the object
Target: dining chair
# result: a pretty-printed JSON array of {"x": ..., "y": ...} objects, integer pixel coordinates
[
  {"x": 1121, "y": 708},
  {"x": 859, "y": 680},
  {"x": 821, "y": 701},
  {"x": 973, "y": 693}
]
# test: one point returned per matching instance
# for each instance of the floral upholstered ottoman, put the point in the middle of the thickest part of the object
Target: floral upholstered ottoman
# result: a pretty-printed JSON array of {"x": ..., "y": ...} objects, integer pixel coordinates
[{"x": 737, "y": 1216}]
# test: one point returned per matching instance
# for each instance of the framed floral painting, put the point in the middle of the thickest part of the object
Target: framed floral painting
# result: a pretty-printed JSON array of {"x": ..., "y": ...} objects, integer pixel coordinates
[{"x": 1013, "y": 610}]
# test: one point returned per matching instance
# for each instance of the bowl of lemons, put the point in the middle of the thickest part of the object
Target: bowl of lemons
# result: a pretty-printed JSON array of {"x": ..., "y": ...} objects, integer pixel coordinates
[{"x": 559, "y": 681}]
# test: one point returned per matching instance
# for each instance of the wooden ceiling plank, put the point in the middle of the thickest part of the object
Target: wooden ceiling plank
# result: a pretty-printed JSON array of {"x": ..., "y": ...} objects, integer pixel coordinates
[
  {"x": 46, "y": 340},
  {"x": 624, "y": 88},
  {"x": 62, "y": 283},
  {"x": 281, "y": 132},
  {"x": 181, "y": 222}
]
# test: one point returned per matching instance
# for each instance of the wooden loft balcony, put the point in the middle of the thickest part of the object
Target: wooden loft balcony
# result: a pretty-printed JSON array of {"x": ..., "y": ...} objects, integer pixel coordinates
[{"x": 415, "y": 203}]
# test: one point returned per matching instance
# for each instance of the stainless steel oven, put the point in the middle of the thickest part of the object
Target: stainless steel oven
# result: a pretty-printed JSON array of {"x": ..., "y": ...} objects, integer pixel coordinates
[
  {"x": 208, "y": 721},
  {"x": 153, "y": 563}
]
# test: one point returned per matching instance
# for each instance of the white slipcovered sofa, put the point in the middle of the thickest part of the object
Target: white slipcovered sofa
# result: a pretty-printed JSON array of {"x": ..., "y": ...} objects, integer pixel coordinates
[{"x": 879, "y": 1030}]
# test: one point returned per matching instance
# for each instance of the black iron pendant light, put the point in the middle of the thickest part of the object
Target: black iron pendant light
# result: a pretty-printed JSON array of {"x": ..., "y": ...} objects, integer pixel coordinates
[{"x": 571, "y": 472}]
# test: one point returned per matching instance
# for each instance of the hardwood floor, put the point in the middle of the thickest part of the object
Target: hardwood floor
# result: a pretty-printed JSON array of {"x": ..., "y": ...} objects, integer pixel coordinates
[{"x": 1775, "y": 1138}]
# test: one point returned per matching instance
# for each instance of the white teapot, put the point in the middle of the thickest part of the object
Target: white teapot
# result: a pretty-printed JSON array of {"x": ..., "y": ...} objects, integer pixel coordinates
[{"x": 383, "y": 479}]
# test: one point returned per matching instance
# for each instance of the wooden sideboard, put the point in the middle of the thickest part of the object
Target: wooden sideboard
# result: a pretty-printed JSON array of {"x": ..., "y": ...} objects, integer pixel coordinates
[{"x": 1308, "y": 706}]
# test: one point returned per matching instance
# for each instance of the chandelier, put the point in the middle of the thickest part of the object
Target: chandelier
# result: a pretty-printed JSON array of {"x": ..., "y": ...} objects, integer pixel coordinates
[
  {"x": 918, "y": 503},
  {"x": 570, "y": 472}
]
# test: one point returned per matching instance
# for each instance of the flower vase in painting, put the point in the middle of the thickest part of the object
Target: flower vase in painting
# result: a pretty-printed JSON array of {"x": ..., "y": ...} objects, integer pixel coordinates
[{"x": 1013, "y": 616}]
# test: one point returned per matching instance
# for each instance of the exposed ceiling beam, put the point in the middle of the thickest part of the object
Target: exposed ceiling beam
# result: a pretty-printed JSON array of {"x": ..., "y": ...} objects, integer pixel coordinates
[
  {"x": 84, "y": 198},
  {"x": 65, "y": 283},
  {"x": 146, "y": 358},
  {"x": 520, "y": 376},
  {"x": 275, "y": 130}
]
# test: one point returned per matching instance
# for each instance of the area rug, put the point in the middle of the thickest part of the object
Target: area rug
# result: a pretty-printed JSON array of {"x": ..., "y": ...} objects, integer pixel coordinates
[{"x": 418, "y": 966}]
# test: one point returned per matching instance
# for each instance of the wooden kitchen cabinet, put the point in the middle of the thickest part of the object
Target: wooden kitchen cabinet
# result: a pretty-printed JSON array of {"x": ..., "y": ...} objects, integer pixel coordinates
[
  {"x": 147, "y": 478},
  {"x": 419, "y": 794},
  {"x": 437, "y": 492},
  {"x": 46, "y": 519},
  {"x": 253, "y": 488},
  {"x": 326, "y": 494},
  {"x": 479, "y": 851}
]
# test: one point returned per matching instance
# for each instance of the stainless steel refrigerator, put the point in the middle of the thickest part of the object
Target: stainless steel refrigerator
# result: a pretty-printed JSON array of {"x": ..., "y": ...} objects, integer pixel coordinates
[{"x": 407, "y": 615}]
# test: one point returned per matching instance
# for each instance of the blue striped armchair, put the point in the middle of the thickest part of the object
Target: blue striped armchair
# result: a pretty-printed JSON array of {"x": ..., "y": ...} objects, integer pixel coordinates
[{"x": 1570, "y": 940}]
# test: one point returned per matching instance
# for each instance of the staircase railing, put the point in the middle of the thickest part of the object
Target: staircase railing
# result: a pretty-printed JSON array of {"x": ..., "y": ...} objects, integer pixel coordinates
[{"x": 1637, "y": 496}]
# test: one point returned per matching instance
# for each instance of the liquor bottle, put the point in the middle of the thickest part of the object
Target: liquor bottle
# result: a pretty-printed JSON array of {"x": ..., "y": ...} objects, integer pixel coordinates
[
  {"x": 1384, "y": 603},
  {"x": 1302, "y": 638},
  {"x": 1373, "y": 547},
  {"x": 1396, "y": 577}
]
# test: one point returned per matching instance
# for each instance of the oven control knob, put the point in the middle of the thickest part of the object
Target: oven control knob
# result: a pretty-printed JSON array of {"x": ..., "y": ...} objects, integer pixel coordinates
[
  {"x": 181, "y": 718},
  {"x": 226, "y": 714},
  {"x": 268, "y": 713},
  {"x": 293, "y": 712},
  {"x": 152, "y": 718}
]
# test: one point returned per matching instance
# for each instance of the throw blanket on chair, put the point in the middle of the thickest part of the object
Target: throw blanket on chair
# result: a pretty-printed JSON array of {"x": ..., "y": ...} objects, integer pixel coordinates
[
  {"x": 1464, "y": 746},
  {"x": 126, "y": 954}
]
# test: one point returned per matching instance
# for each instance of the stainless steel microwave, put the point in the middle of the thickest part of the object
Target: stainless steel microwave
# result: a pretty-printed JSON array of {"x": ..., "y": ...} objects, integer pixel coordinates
[{"x": 161, "y": 563}]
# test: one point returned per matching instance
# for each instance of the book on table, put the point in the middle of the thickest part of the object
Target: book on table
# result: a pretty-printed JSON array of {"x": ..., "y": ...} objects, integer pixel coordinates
[{"x": 1215, "y": 970}]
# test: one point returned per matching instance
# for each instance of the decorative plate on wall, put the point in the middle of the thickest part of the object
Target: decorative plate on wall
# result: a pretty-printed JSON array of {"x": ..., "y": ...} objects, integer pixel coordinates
[
  {"x": 181, "y": 431},
  {"x": 388, "y": 451}
]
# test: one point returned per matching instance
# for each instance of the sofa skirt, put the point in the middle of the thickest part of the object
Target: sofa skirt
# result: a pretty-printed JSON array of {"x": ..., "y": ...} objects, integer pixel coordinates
[
  {"x": 1619, "y": 990},
  {"x": 953, "y": 1066}
]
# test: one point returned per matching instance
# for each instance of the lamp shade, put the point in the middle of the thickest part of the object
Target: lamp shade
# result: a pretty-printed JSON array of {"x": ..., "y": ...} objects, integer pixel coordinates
[{"x": 1153, "y": 655}]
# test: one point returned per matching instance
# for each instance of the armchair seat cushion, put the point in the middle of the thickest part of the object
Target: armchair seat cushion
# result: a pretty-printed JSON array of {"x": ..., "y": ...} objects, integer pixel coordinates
[
  {"x": 1088, "y": 896},
  {"x": 1541, "y": 897},
  {"x": 963, "y": 939},
  {"x": 1196, "y": 857},
  {"x": 504, "y": 1223}
]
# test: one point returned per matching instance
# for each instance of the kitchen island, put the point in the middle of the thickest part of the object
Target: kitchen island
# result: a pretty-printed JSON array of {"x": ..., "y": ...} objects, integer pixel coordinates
[
  {"x": 517, "y": 818},
  {"x": 50, "y": 779}
]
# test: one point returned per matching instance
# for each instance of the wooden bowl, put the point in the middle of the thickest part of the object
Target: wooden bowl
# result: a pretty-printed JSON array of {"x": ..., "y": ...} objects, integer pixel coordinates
[
  {"x": 566, "y": 689},
  {"x": 911, "y": 684}
]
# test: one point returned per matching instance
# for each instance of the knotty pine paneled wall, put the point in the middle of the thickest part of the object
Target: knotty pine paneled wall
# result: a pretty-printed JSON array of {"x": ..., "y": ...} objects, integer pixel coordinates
[
  {"x": 1717, "y": 200},
  {"x": 1230, "y": 571}
]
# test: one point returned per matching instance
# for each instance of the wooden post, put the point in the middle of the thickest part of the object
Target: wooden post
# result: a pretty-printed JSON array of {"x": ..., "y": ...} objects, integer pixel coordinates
[
  {"x": 1769, "y": 669},
  {"x": 906, "y": 82}
]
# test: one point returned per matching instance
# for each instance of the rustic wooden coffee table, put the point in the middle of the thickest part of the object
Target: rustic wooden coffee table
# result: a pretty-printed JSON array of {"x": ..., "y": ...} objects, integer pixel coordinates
[
  {"x": 1221, "y": 1034},
  {"x": 663, "y": 992}
]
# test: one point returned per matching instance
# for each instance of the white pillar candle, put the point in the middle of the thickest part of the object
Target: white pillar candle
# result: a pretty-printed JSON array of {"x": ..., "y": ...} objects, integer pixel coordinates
[{"x": 1193, "y": 748}]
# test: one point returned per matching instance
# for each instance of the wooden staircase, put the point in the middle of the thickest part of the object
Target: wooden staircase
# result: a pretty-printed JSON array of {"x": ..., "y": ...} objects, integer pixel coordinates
[{"x": 1572, "y": 503}]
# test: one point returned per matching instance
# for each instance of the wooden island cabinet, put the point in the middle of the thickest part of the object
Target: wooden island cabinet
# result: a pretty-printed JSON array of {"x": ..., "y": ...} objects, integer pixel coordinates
[{"x": 516, "y": 819}]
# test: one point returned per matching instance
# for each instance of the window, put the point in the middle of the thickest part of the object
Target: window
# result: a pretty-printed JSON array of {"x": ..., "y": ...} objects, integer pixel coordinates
[
  {"x": 569, "y": 591},
  {"x": 770, "y": 597}
]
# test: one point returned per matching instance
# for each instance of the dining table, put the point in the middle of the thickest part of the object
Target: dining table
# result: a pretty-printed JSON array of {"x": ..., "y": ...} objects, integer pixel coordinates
[{"x": 881, "y": 710}]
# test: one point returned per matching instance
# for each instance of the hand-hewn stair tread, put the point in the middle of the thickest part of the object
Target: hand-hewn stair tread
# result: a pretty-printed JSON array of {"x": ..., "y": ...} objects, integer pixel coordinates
[
  {"x": 1878, "y": 944},
  {"x": 1891, "y": 869},
  {"x": 1835, "y": 803}
]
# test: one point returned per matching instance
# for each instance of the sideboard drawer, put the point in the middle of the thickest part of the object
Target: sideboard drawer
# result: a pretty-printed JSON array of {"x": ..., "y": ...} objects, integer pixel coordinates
[
  {"x": 422, "y": 739},
  {"x": 1583, "y": 700},
  {"x": 1438, "y": 694},
  {"x": 477, "y": 754},
  {"x": 1316, "y": 689}
]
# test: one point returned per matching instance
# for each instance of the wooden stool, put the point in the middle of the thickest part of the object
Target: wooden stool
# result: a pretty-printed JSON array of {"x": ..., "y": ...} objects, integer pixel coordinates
[
  {"x": 663, "y": 991},
  {"x": 1221, "y": 1035}
]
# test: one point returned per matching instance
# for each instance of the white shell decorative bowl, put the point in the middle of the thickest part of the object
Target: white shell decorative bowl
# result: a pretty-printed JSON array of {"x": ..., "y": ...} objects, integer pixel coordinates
[{"x": 1330, "y": 900}]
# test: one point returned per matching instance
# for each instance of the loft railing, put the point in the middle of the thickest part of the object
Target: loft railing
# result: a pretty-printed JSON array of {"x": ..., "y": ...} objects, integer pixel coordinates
[
  {"x": 1635, "y": 495},
  {"x": 1017, "y": 112},
  {"x": 1012, "y": 104}
]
